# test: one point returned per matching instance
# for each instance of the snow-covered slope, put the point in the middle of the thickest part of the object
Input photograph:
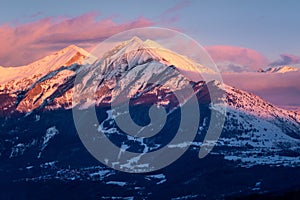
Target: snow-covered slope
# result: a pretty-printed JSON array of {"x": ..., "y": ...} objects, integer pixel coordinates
[
  {"x": 252, "y": 104},
  {"x": 19, "y": 78},
  {"x": 258, "y": 133}
]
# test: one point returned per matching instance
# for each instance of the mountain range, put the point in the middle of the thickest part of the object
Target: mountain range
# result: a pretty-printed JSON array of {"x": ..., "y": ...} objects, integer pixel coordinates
[
  {"x": 39, "y": 144},
  {"x": 279, "y": 69}
]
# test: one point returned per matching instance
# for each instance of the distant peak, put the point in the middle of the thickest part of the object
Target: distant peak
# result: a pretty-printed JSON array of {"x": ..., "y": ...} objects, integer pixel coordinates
[
  {"x": 138, "y": 42},
  {"x": 74, "y": 48},
  {"x": 152, "y": 43},
  {"x": 136, "y": 39},
  {"x": 279, "y": 69},
  {"x": 147, "y": 42}
]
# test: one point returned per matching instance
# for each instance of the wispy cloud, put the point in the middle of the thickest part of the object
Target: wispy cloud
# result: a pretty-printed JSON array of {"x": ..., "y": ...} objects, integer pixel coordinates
[{"x": 27, "y": 42}]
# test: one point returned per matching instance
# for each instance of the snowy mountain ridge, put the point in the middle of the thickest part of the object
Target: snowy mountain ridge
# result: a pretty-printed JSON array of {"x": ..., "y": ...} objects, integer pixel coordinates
[
  {"x": 136, "y": 51},
  {"x": 280, "y": 69},
  {"x": 15, "y": 78}
]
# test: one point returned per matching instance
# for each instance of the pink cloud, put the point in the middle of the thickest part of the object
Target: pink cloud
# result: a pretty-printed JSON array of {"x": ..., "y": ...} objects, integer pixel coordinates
[
  {"x": 27, "y": 42},
  {"x": 231, "y": 58},
  {"x": 279, "y": 89}
]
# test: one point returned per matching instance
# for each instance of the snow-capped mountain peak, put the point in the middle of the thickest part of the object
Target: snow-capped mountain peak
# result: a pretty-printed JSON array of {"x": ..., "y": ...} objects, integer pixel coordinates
[
  {"x": 136, "y": 51},
  {"x": 73, "y": 47},
  {"x": 280, "y": 69},
  {"x": 10, "y": 76}
]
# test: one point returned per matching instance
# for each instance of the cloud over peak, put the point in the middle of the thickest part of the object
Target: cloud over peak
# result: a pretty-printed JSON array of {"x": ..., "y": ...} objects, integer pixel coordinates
[
  {"x": 28, "y": 42},
  {"x": 236, "y": 59}
]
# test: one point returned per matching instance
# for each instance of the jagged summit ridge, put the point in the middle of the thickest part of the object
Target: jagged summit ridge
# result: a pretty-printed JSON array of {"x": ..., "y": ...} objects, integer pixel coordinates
[
  {"x": 16, "y": 78},
  {"x": 136, "y": 51},
  {"x": 280, "y": 69},
  {"x": 67, "y": 56}
]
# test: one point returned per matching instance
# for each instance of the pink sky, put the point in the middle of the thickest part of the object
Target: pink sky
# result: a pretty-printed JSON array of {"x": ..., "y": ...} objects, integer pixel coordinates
[{"x": 28, "y": 42}]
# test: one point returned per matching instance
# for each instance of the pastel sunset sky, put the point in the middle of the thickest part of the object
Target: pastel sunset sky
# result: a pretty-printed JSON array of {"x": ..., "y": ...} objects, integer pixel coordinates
[{"x": 253, "y": 33}]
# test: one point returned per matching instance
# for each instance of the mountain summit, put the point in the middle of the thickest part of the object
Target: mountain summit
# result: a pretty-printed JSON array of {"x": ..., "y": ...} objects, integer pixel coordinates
[
  {"x": 65, "y": 57},
  {"x": 136, "y": 51}
]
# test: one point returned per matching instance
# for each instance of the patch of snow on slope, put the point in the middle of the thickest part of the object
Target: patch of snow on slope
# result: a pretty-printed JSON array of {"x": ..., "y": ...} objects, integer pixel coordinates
[
  {"x": 50, "y": 133},
  {"x": 119, "y": 183},
  {"x": 161, "y": 178}
]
